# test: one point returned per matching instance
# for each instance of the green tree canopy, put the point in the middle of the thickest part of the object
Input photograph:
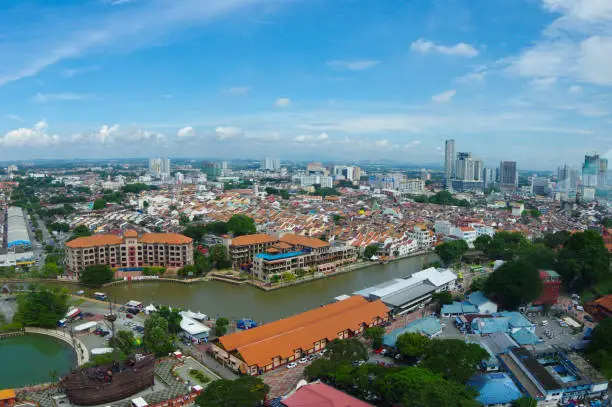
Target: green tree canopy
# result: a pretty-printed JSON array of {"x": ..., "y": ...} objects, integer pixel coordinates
[
  {"x": 241, "y": 225},
  {"x": 540, "y": 256},
  {"x": 375, "y": 334},
  {"x": 584, "y": 260},
  {"x": 418, "y": 387},
  {"x": 99, "y": 204},
  {"x": 96, "y": 275},
  {"x": 451, "y": 252},
  {"x": 412, "y": 345},
  {"x": 172, "y": 316},
  {"x": 599, "y": 350},
  {"x": 42, "y": 308},
  {"x": 506, "y": 245},
  {"x": 221, "y": 326},
  {"x": 246, "y": 391},
  {"x": 482, "y": 243},
  {"x": 81, "y": 231},
  {"x": 217, "y": 228},
  {"x": 556, "y": 240},
  {"x": 453, "y": 359},
  {"x": 219, "y": 256},
  {"x": 157, "y": 338},
  {"x": 194, "y": 232},
  {"x": 514, "y": 284},
  {"x": 347, "y": 350},
  {"x": 370, "y": 251}
]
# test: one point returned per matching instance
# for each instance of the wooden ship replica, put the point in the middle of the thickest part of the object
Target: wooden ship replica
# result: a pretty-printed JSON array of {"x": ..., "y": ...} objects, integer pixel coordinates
[{"x": 110, "y": 382}]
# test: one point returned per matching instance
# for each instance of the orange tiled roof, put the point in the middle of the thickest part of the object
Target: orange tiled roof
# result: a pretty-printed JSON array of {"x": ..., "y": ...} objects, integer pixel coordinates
[
  {"x": 605, "y": 302},
  {"x": 303, "y": 241},
  {"x": 7, "y": 394},
  {"x": 95, "y": 240},
  {"x": 130, "y": 233},
  {"x": 252, "y": 239},
  {"x": 258, "y": 346},
  {"x": 165, "y": 238}
]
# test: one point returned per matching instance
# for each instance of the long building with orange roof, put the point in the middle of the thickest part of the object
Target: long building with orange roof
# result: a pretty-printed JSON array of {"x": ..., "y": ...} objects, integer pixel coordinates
[
  {"x": 269, "y": 346},
  {"x": 130, "y": 251}
]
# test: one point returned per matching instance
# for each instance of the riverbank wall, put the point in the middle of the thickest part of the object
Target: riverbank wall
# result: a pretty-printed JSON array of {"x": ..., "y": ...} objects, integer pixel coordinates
[{"x": 80, "y": 349}]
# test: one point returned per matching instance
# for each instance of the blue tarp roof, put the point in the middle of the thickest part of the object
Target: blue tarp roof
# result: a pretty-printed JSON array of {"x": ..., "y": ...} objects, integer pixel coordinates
[
  {"x": 270, "y": 257},
  {"x": 428, "y": 326},
  {"x": 495, "y": 388},
  {"x": 459, "y": 308},
  {"x": 501, "y": 322},
  {"x": 478, "y": 298},
  {"x": 525, "y": 337}
]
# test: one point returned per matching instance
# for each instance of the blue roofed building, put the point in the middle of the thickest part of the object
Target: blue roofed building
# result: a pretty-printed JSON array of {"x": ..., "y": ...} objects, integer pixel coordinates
[
  {"x": 484, "y": 304},
  {"x": 458, "y": 308},
  {"x": 525, "y": 337},
  {"x": 429, "y": 327},
  {"x": 495, "y": 389},
  {"x": 507, "y": 321},
  {"x": 494, "y": 344}
]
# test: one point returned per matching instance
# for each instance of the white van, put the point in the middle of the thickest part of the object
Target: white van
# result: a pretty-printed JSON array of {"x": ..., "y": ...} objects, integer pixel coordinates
[{"x": 544, "y": 323}]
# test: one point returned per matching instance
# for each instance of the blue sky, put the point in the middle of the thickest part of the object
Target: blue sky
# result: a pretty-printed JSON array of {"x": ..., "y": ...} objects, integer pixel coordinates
[{"x": 524, "y": 80}]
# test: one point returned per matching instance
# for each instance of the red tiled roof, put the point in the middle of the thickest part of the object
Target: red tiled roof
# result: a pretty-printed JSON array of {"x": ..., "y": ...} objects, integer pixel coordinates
[
  {"x": 321, "y": 395},
  {"x": 247, "y": 240},
  {"x": 95, "y": 240},
  {"x": 165, "y": 238}
]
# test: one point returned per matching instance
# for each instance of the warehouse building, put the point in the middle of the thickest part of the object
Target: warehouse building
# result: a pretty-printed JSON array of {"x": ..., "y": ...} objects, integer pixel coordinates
[
  {"x": 17, "y": 231},
  {"x": 403, "y": 295},
  {"x": 269, "y": 346}
]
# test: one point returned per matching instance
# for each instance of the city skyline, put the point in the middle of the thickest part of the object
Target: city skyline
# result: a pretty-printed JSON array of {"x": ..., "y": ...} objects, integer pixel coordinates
[{"x": 250, "y": 78}]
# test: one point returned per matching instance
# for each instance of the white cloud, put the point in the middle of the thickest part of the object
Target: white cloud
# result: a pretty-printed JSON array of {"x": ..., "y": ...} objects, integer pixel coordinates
[
  {"x": 575, "y": 89},
  {"x": 412, "y": 144},
  {"x": 237, "y": 90},
  {"x": 576, "y": 46},
  {"x": 544, "y": 82},
  {"x": 36, "y": 136},
  {"x": 381, "y": 144},
  {"x": 228, "y": 132},
  {"x": 472, "y": 77},
  {"x": 48, "y": 97},
  {"x": 106, "y": 133},
  {"x": 353, "y": 65},
  {"x": 444, "y": 97},
  {"x": 461, "y": 49},
  {"x": 81, "y": 30},
  {"x": 186, "y": 131},
  {"x": 16, "y": 118},
  {"x": 303, "y": 138},
  {"x": 282, "y": 102},
  {"x": 70, "y": 72}
]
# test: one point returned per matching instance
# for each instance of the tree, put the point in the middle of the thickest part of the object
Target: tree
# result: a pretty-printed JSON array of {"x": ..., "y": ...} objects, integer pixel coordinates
[
  {"x": 81, "y": 231},
  {"x": 217, "y": 228},
  {"x": 52, "y": 270},
  {"x": 376, "y": 335},
  {"x": 482, "y": 243},
  {"x": 202, "y": 263},
  {"x": 183, "y": 219},
  {"x": 607, "y": 222},
  {"x": 221, "y": 326},
  {"x": 599, "y": 350},
  {"x": 535, "y": 213},
  {"x": 525, "y": 401},
  {"x": 188, "y": 271},
  {"x": 506, "y": 245},
  {"x": 194, "y": 232},
  {"x": 556, "y": 240},
  {"x": 540, "y": 256},
  {"x": 451, "y": 252},
  {"x": 418, "y": 387},
  {"x": 241, "y": 225},
  {"x": 478, "y": 284},
  {"x": 584, "y": 260},
  {"x": 246, "y": 391},
  {"x": 219, "y": 256},
  {"x": 442, "y": 298},
  {"x": 42, "y": 308},
  {"x": 453, "y": 359},
  {"x": 96, "y": 275},
  {"x": 99, "y": 204},
  {"x": 515, "y": 283},
  {"x": 370, "y": 251},
  {"x": 125, "y": 341},
  {"x": 346, "y": 350},
  {"x": 412, "y": 345},
  {"x": 156, "y": 337}
]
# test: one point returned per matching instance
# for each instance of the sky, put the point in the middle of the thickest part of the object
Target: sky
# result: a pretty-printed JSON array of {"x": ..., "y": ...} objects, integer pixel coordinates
[{"x": 333, "y": 80}]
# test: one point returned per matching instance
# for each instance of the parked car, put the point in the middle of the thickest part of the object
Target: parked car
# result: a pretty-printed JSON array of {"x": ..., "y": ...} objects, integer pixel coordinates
[
  {"x": 129, "y": 316},
  {"x": 589, "y": 318},
  {"x": 378, "y": 351},
  {"x": 357, "y": 363},
  {"x": 312, "y": 357},
  {"x": 303, "y": 360},
  {"x": 291, "y": 365}
]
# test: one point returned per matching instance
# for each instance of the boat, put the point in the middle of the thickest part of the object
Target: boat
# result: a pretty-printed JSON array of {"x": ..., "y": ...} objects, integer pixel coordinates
[{"x": 111, "y": 382}]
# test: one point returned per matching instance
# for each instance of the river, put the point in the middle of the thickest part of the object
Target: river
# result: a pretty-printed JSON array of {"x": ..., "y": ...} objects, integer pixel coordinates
[{"x": 244, "y": 301}]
